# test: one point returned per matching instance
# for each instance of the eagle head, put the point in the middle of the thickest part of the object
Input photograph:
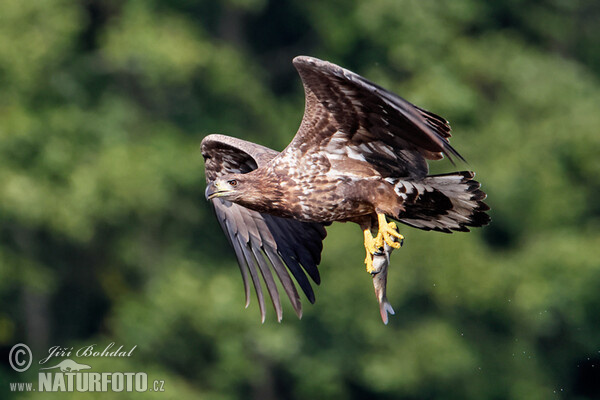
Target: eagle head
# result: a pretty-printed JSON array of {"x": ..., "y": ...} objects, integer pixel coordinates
[
  {"x": 230, "y": 187},
  {"x": 249, "y": 190}
]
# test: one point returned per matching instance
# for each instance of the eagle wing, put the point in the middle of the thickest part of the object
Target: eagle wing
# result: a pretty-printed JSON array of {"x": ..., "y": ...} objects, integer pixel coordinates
[
  {"x": 253, "y": 235},
  {"x": 349, "y": 117}
]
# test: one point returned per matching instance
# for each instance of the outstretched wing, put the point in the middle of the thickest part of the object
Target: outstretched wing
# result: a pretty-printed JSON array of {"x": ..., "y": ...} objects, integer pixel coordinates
[
  {"x": 348, "y": 117},
  {"x": 263, "y": 242}
]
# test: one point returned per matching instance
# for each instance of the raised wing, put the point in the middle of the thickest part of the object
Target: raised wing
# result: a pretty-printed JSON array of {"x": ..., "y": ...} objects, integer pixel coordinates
[
  {"x": 348, "y": 116},
  {"x": 263, "y": 242}
]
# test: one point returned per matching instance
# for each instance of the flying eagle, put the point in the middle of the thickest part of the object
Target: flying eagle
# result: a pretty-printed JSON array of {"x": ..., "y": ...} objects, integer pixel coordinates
[{"x": 360, "y": 155}]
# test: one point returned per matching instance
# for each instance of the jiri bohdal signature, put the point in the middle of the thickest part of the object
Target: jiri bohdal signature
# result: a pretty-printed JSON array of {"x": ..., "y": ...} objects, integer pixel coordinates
[{"x": 87, "y": 351}]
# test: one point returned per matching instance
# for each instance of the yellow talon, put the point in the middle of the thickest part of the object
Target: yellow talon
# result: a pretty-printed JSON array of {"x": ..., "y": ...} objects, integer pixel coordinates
[
  {"x": 371, "y": 248},
  {"x": 386, "y": 233},
  {"x": 369, "y": 263}
]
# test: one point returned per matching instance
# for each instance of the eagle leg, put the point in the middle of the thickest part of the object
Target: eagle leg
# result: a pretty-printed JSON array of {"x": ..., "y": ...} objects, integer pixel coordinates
[
  {"x": 386, "y": 233},
  {"x": 371, "y": 248}
]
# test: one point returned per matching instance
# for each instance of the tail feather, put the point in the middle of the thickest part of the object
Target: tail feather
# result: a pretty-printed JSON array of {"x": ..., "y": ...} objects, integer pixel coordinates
[{"x": 445, "y": 203}]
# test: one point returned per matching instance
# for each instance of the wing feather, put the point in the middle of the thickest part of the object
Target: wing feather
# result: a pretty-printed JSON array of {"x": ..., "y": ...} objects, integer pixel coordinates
[
  {"x": 390, "y": 133},
  {"x": 291, "y": 258},
  {"x": 269, "y": 281},
  {"x": 231, "y": 237},
  {"x": 251, "y": 263},
  {"x": 301, "y": 253},
  {"x": 286, "y": 281}
]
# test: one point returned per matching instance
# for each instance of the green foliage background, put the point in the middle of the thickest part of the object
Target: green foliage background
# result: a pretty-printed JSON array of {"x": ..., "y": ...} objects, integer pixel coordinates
[{"x": 105, "y": 234}]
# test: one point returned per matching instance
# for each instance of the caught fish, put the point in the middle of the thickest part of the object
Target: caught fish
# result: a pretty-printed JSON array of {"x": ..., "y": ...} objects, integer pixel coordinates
[{"x": 381, "y": 261}]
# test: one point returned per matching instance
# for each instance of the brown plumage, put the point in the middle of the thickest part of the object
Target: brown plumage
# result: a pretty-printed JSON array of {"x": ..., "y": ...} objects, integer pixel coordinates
[{"x": 359, "y": 155}]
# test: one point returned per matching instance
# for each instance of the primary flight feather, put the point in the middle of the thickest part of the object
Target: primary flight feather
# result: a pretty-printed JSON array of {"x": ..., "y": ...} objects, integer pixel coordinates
[{"x": 360, "y": 155}]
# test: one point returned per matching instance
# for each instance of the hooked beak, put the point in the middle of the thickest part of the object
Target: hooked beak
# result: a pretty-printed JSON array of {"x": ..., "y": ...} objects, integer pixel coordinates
[{"x": 215, "y": 190}]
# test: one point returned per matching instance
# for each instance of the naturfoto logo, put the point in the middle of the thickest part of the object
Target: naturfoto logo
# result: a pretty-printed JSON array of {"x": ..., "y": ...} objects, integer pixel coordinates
[{"x": 68, "y": 375}]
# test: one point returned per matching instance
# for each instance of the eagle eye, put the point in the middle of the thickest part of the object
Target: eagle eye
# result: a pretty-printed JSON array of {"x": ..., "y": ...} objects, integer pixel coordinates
[{"x": 232, "y": 182}]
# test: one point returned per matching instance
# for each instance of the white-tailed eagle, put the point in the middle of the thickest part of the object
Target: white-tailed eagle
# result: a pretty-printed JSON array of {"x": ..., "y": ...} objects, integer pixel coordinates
[{"x": 360, "y": 155}]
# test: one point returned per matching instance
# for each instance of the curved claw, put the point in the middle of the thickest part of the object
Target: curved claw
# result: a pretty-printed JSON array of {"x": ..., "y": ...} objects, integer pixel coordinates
[{"x": 387, "y": 233}]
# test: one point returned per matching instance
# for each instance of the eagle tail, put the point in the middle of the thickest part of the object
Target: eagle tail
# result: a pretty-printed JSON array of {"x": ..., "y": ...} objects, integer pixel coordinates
[{"x": 445, "y": 203}]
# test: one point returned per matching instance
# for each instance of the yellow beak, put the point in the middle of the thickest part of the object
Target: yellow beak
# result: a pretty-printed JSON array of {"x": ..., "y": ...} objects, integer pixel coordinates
[{"x": 215, "y": 189}]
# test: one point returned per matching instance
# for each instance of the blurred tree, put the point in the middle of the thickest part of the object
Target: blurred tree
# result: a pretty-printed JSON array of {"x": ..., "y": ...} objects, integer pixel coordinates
[{"x": 105, "y": 234}]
